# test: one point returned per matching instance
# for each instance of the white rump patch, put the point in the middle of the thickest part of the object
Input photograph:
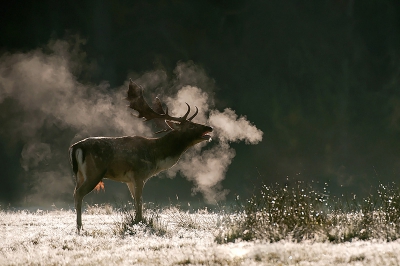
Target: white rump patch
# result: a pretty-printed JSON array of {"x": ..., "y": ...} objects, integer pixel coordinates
[
  {"x": 79, "y": 157},
  {"x": 81, "y": 164}
]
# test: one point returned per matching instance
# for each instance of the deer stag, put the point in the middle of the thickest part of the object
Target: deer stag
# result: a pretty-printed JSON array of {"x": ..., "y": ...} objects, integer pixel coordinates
[{"x": 133, "y": 159}]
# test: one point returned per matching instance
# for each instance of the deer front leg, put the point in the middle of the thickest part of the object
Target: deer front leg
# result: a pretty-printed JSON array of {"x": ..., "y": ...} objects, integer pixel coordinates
[{"x": 136, "y": 190}]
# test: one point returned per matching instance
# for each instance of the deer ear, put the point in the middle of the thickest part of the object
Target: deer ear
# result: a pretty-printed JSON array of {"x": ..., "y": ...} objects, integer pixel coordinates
[{"x": 173, "y": 125}]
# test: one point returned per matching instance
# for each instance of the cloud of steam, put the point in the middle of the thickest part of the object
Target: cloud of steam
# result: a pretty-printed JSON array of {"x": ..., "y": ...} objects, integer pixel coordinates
[
  {"x": 44, "y": 87},
  {"x": 228, "y": 127},
  {"x": 194, "y": 97},
  {"x": 33, "y": 153},
  {"x": 47, "y": 109},
  {"x": 207, "y": 168}
]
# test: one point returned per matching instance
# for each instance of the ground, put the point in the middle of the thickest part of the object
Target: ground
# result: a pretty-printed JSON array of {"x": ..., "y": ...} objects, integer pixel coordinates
[{"x": 175, "y": 238}]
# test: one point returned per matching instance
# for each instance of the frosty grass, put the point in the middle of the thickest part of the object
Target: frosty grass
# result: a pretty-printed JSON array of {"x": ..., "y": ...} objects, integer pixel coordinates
[{"x": 176, "y": 238}]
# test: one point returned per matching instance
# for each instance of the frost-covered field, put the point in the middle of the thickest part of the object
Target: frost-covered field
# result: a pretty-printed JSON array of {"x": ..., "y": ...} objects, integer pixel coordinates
[{"x": 176, "y": 237}]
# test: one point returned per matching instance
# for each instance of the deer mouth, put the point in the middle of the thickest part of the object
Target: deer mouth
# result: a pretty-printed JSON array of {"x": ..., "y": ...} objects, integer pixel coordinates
[{"x": 206, "y": 136}]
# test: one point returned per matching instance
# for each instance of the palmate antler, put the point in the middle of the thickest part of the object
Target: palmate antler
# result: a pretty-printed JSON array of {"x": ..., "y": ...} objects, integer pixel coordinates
[{"x": 138, "y": 103}]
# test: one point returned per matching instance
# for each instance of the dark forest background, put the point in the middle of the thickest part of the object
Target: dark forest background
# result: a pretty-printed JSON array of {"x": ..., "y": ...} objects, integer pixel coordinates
[{"x": 320, "y": 78}]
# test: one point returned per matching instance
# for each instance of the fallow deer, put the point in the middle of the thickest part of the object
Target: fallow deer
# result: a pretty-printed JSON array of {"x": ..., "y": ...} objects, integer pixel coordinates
[{"x": 133, "y": 159}]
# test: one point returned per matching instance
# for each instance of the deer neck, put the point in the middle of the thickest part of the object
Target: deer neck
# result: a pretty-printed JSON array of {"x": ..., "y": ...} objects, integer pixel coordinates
[
  {"x": 173, "y": 144},
  {"x": 170, "y": 148}
]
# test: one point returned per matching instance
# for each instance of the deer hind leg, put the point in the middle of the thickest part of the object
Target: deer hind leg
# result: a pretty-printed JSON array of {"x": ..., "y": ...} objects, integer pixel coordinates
[
  {"x": 136, "y": 189},
  {"x": 88, "y": 176}
]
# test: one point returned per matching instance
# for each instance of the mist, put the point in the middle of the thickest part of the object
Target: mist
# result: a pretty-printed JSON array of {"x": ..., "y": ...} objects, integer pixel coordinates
[
  {"x": 205, "y": 164},
  {"x": 49, "y": 108}
]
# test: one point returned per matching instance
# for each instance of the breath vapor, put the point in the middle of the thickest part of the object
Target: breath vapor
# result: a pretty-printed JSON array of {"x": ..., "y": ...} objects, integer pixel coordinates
[{"x": 45, "y": 108}]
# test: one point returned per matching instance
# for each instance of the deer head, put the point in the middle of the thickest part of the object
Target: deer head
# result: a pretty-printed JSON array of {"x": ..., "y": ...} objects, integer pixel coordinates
[{"x": 179, "y": 125}]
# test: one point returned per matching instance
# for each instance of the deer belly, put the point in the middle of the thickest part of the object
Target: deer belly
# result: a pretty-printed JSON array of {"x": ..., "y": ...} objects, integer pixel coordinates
[{"x": 120, "y": 176}]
